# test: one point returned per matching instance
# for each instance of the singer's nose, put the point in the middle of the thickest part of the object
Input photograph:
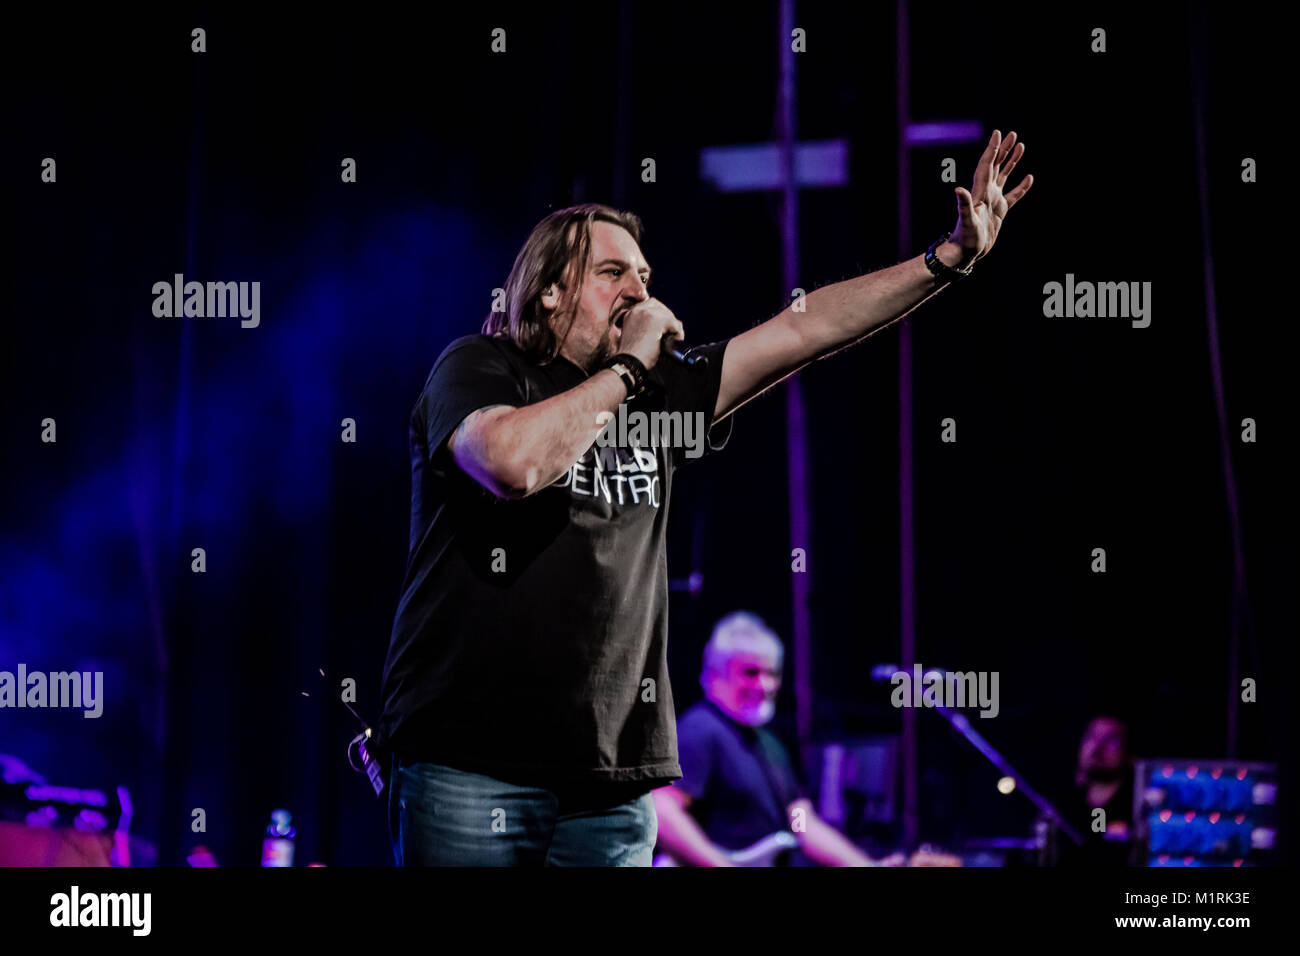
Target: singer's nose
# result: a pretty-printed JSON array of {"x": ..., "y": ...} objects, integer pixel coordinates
[{"x": 635, "y": 289}]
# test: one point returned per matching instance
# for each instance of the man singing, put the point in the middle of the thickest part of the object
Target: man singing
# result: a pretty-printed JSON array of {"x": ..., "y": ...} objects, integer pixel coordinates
[{"x": 526, "y": 695}]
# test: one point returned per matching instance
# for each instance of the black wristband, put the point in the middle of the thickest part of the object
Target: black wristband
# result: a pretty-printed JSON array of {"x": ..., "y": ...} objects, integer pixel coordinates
[
  {"x": 631, "y": 370},
  {"x": 940, "y": 268}
]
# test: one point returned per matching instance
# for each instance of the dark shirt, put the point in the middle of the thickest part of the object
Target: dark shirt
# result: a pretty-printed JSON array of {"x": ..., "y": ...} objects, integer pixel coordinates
[
  {"x": 530, "y": 642},
  {"x": 1113, "y": 848},
  {"x": 738, "y": 777}
]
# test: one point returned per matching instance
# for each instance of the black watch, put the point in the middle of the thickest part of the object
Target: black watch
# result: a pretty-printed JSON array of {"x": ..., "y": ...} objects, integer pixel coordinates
[
  {"x": 631, "y": 370},
  {"x": 940, "y": 268}
]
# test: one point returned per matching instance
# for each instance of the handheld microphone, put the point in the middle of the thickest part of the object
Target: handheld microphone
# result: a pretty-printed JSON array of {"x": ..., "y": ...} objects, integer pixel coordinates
[{"x": 669, "y": 345}]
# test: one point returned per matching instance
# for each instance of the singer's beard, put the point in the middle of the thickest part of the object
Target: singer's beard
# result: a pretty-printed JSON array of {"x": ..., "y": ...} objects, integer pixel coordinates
[
  {"x": 609, "y": 345},
  {"x": 603, "y": 353},
  {"x": 605, "y": 350}
]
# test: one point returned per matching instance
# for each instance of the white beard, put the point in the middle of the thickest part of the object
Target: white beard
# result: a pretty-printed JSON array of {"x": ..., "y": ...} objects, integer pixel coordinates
[{"x": 755, "y": 716}]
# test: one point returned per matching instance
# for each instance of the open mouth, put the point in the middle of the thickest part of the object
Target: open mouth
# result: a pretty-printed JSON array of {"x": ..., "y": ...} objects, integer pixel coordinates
[{"x": 618, "y": 320}]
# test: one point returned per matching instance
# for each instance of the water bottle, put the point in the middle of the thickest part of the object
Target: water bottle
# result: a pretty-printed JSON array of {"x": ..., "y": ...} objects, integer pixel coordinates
[{"x": 277, "y": 848}]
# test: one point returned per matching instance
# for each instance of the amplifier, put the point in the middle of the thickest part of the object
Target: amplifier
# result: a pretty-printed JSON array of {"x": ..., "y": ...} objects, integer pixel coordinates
[{"x": 1205, "y": 813}]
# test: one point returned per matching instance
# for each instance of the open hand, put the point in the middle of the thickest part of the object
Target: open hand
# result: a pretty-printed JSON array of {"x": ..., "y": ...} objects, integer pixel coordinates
[{"x": 981, "y": 210}]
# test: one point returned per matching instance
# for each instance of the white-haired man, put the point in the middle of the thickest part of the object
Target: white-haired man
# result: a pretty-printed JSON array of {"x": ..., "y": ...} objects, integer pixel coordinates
[{"x": 737, "y": 784}]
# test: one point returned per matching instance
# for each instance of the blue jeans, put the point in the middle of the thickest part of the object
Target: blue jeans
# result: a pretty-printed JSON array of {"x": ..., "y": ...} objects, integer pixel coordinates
[{"x": 440, "y": 816}]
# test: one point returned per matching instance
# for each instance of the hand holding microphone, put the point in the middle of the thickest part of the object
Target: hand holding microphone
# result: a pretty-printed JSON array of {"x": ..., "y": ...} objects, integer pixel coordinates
[
  {"x": 650, "y": 330},
  {"x": 669, "y": 344}
]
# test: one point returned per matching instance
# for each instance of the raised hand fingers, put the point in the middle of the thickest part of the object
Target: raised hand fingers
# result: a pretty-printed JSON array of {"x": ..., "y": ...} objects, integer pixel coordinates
[
  {"x": 1010, "y": 163},
  {"x": 987, "y": 163},
  {"x": 1015, "y": 195},
  {"x": 1004, "y": 149}
]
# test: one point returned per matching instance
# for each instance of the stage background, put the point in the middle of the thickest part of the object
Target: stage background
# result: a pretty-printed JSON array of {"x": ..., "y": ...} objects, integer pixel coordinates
[{"x": 1073, "y": 433}]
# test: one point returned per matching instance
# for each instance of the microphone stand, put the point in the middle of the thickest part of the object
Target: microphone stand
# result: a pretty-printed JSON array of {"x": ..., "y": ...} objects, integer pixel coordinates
[{"x": 961, "y": 724}]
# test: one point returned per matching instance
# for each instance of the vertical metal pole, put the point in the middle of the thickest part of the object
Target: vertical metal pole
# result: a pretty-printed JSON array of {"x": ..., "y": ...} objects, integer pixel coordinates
[
  {"x": 1200, "y": 65},
  {"x": 179, "y": 663},
  {"x": 618, "y": 188},
  {"x": 795, "y": 421},
  {"x": 906, "y": 530}
]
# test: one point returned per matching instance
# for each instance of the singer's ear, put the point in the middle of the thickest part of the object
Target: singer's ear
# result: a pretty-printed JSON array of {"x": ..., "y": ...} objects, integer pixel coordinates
[{"x": 550, "y": 297}]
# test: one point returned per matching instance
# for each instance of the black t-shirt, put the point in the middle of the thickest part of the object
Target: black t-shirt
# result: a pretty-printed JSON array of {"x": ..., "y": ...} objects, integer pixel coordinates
[
  {"x": 1112, "y": 848},
  {"x": 738, "y": 777},
  {"x": 530, "y": 642}
]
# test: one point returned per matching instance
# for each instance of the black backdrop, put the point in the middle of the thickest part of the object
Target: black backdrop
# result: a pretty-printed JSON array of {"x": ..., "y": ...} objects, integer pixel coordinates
[{"x": 1073, "y": 434}]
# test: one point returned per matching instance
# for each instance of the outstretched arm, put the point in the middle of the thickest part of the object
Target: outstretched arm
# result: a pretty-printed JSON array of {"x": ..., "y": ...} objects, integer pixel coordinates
[
  {"x": 823, "y": 844},
  {"x": 680, "y": 835},
  {"x": 839, "y": 315}
]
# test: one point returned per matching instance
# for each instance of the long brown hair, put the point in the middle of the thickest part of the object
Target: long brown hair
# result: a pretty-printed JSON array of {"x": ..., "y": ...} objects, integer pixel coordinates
[{"x": 541, "y": 263}]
